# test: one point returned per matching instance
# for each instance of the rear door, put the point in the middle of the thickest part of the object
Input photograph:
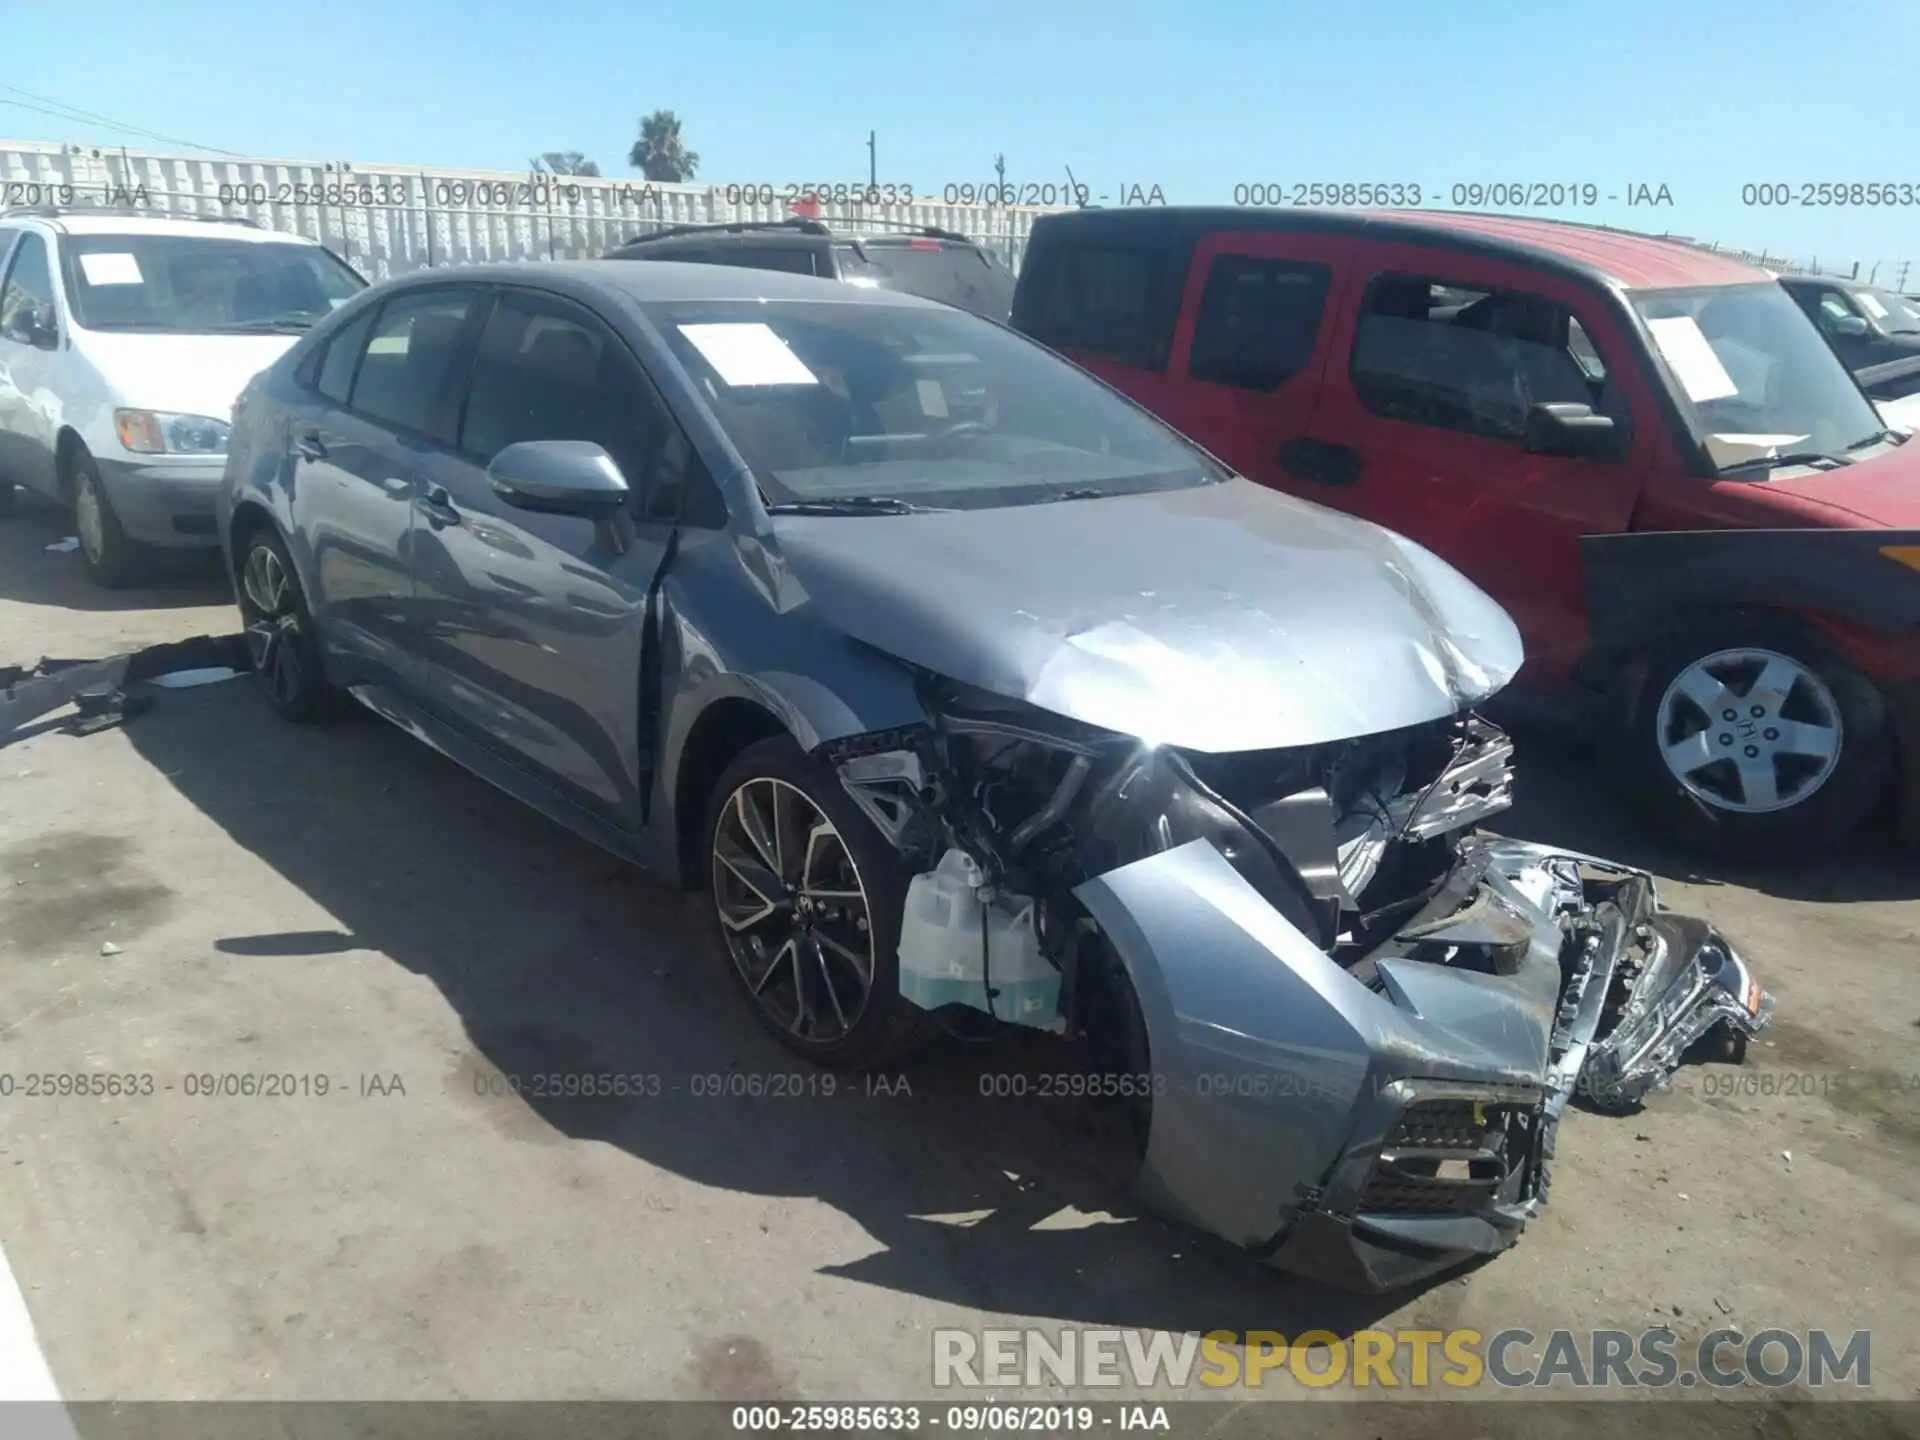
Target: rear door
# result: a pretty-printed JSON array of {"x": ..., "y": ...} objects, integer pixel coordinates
[
  {"x": 381, "y": 408},
  {"x": 534, "y": 627},
  {"x": 1435, "y": 360},
  {"x": 1249, "y": 348}
]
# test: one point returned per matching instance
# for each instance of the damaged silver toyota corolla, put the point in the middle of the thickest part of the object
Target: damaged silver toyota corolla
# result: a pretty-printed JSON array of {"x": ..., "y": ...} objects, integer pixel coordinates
[{"x": 975, "y": 695}]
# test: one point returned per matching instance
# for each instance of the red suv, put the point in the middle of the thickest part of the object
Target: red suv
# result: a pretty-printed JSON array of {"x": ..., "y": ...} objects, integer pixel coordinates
[{"x": 1645, "y": 451}]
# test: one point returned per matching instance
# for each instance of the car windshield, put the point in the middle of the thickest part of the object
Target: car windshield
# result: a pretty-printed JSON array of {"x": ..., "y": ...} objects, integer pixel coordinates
[
  {"x": 1893, "y": 313},
  {"x": 1753, "y": 375},
  {"x": 191, "y": 284},
  {"x": 953, "y": 274},
  {"x": 863, "y": 404}
]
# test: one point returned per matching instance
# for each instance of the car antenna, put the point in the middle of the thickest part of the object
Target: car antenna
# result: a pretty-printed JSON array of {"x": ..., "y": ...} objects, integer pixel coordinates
[{"x": 1073, "y": 188}]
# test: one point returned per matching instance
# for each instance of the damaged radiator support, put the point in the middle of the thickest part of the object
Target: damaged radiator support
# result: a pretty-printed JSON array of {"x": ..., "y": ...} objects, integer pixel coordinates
[{"x": 1323, "y": 935}]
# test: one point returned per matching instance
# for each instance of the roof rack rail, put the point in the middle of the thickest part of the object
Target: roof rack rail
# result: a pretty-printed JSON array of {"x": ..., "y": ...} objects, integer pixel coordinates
[
  {"x": 910, "y": 227},
  {"x": 797, "y": 224},
  {"x": 120, "y": 212}
]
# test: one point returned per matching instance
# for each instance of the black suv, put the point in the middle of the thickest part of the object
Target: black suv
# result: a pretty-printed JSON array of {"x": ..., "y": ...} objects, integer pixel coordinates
[
  {"x": 926, "y": 261},
  {"x": 1875, "y": 332}
]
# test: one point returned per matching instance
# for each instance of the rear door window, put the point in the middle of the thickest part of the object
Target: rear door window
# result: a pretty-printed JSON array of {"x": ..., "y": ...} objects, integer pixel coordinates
[
  {"x": 790, "y": 259},
  {"x": 963, "y": 276},
  {"x": 403, "y": 378},
  {"x": 1095, "y": 298},
  {"x": 1259, "y": 320}
]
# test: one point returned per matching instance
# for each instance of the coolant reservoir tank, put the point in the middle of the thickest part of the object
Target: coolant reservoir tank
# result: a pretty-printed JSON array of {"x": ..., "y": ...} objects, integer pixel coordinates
[{"x": 957, "y": 950}]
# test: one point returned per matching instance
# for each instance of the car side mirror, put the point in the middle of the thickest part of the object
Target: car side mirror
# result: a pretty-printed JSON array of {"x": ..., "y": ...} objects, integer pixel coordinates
[
  {"x": 566, "y": 477},
  {"x": 1568, "y": 429},
  {"x": 33, "y": 327},
  {"x": 1851, "y": 326}
]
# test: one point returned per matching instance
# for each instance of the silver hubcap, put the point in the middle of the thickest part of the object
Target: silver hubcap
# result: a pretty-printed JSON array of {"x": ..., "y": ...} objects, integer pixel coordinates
[
  {"x": 88, "y": 520},
  {"x": 793, "y": 909},
  {"x": 273, "y": 624},
  {"x": 1749, "y": 730}
]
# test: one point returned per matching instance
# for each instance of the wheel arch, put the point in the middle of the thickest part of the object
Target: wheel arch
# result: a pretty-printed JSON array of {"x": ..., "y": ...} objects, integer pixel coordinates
[
  {"x": 721, "y": 731},
  {"x": 249, "y": 516},
  {"x": 1837, "y": 584},
  {"x": 66, "y": 444}
]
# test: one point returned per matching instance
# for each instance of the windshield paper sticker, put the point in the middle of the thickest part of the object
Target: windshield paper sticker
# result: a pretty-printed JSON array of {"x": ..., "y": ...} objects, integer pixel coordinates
[
  {"x": 1735, "y": 449},
  {"x": 118, "y": 268},
  {"x": 1685, "y": 349},
  {"x": 933, "y": 400},
  {"x": 749, "y": 354}
]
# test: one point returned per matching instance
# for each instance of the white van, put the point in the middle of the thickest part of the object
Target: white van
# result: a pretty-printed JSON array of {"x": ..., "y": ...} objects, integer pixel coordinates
[{"x": 124, "y": 342}]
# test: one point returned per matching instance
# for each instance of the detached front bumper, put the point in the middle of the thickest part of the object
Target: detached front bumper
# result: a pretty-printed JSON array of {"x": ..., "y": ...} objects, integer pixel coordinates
[{"x": 1377, "y": 1127}]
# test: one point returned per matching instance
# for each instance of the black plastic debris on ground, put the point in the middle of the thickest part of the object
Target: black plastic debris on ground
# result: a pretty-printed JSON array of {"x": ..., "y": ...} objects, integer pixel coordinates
[{"x": 97, "y": 689}]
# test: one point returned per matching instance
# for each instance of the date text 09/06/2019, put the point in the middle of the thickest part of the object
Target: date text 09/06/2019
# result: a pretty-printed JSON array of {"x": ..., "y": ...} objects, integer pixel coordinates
[
  {"x": 1032, "y": 1419},
  {"x": 1460, "y": 195}
]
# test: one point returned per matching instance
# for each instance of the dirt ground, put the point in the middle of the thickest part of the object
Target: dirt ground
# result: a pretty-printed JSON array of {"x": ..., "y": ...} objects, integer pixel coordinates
[{"x": 343, "y": 905}]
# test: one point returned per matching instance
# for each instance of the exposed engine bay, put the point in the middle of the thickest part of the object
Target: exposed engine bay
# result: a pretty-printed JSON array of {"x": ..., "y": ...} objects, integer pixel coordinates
[{"x": 1361, "y": 1018}]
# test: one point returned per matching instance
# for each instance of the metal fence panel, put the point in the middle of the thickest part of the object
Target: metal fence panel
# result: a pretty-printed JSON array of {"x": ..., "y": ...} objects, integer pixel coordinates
[{"x": 389, "y": 219}]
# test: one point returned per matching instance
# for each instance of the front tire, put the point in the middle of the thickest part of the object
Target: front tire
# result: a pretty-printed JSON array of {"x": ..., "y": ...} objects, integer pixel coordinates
[
  {"x": 112, "y": 560},
  {"x": 1752, "y": 738},
  {"x": 280, "y": 635},
  {"x": 807, "y": 900}
]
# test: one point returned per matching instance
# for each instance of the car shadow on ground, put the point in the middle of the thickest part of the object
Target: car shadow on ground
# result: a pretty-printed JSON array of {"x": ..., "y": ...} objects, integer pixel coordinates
[
  {"x": 560, "y": 959},
  {"x": 1559, "y": 801},
  {"x": 33, "y": 575}
]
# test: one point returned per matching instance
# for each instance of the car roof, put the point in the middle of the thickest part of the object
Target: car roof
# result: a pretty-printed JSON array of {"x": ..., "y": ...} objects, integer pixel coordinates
[
  {"x": 1621, "y": 258},
  {"x": 210, "y": 229},
  {"x": 672, "y": 280},
  {"x": 775, "y": 234}
]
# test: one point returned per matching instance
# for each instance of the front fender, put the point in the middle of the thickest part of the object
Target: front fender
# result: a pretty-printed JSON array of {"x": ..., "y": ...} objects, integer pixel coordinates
[{"x": 1637, "y": 583}]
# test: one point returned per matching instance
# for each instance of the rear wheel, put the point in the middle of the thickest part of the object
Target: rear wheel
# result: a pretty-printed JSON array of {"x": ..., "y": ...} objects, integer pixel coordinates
[
  {"x": 111, "y": 558},
  {"x": 807, "y": 900},
  {"x": 1751, "y": 737},
  {"x": 280, "y": 635}
]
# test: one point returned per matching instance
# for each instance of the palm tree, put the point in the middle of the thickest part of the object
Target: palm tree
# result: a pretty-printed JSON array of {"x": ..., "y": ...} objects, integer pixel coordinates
[
  {"x": 564, "y": 162},
  {"x": 659, "y": 153}
]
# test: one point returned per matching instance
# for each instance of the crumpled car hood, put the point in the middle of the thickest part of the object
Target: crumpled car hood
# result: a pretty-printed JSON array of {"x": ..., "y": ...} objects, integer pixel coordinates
[{"x": 1220, "y": 618}]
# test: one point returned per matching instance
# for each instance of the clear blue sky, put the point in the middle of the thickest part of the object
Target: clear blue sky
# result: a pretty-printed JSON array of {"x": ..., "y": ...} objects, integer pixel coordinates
[{"x": 1699, "y": 95}]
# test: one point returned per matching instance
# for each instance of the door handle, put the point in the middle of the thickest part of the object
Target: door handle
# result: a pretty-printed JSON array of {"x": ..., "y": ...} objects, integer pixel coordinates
[
  {"x": 309, "y": 446},
  {"x": 1320, "y": 462},
  {"x": 437, "y": 505}
]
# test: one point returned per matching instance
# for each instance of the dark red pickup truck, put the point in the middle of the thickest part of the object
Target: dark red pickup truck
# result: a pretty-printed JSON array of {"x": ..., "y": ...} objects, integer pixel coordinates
[{"x": 1706, "y": 532}]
